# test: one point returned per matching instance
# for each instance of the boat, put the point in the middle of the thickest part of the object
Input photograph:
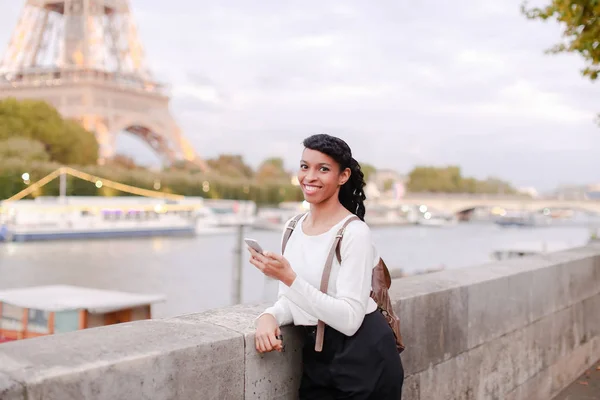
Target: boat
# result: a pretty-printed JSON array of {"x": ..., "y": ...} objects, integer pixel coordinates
[
  {"x": 144, "y": 213},
  {"x": 275, "y": 218},
  {"x": 231, "y": 213},
  {"x": 518, "y": 220},
  {"x": 380, "y": 215},
  {"x": 45, "y": 310},
  {"x": 522, "y": 219},
  {"x": 81, "y": 217},
  {"x": 436, "y": 219}
]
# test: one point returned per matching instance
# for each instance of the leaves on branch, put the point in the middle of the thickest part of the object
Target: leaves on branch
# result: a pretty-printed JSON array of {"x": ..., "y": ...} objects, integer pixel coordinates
[{"x": 581, "y": 22}]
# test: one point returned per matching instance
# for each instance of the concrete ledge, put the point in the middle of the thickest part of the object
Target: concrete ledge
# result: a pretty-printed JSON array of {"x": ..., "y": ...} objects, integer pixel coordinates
[
  {"x": 267, "y": 376},
  {"x": 148, "y": 359},
  {"x": 520, "y": 329},
  {"x": 435, "y": 325},
  {"x": 10, "y": 389}
]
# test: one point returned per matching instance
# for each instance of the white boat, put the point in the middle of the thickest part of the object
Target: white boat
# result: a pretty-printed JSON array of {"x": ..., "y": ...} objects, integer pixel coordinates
[
  {"x": 379, "y": 215},
  {"x": 148, "y": 213},
  {"x": 231, "y": 213},
  {"x": 437, "y": 219},
  {"x": 78, "y": 217},
  {"x": 274, "y": 219}
]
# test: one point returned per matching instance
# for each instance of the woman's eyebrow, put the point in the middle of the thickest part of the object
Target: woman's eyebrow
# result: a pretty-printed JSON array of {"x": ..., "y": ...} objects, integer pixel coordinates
[{"x": 323, "y": 164}]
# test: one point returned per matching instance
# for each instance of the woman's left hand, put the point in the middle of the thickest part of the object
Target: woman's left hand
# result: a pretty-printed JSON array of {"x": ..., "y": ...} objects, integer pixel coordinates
[{"x": 273, "y": 265}]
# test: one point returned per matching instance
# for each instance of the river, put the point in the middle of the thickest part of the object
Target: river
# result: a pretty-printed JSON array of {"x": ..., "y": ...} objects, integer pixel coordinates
[{"x": 195, "y": 274}]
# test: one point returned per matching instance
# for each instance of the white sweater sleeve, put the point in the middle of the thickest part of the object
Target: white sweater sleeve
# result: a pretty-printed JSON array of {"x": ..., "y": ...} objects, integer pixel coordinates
[
  {"x": 346, "y": 311},
  {"x": 280, "y": 310}
]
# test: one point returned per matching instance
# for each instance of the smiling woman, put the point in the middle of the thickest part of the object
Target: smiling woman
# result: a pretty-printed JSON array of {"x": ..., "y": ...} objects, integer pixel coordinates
[{"x": 350, "y": 350}]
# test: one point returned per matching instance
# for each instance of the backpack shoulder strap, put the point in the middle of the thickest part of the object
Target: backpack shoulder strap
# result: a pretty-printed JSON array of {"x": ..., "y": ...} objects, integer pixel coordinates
[
  {"x": 289, "y": 230},
  {"x": 338, "y": 249},
  {"x": 325, "y": 277}
]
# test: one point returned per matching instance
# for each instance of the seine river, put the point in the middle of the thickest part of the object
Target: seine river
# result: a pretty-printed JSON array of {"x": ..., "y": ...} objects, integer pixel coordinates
[{"x": 195, "y": 274}]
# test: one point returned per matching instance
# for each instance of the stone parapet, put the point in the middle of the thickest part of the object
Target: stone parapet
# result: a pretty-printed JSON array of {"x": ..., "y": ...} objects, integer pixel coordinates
[{"x": 516, "y": 330}]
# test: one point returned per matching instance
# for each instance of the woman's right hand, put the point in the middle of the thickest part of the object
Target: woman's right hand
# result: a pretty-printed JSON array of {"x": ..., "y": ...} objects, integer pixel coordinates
[{"x": 267, "y": 333}]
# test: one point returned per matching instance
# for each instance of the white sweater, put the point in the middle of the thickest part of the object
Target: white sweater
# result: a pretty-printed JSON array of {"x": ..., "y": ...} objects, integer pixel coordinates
[{"x": 348, "y": 298}]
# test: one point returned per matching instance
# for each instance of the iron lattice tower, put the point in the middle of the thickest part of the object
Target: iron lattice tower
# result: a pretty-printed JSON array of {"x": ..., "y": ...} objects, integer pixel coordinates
[{"x": 85, "y": 58}]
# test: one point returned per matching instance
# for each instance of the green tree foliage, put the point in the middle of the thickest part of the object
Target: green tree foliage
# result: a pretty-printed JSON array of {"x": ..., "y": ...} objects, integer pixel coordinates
[
  {"x": 368, "y": 170},
  {"x": 180, "y": 182},
  {"x": 65, "y": 141},
  {"x": 495, "y": 185},
  {"x": 581, "y": 22},
  {"x": 23, "y": 149},
  {"x": 450, "y": 180},
  {"x": 388, "y": 184},
  {"x": 272, "y": 170},
  {"x": 83, "y": 146},
  {"x": 122, "y": 161},
  {"x": 231, "y": 165}
]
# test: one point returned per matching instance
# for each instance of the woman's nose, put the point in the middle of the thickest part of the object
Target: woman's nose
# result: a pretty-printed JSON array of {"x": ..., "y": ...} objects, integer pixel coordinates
[{"x": 310, "y": 175}]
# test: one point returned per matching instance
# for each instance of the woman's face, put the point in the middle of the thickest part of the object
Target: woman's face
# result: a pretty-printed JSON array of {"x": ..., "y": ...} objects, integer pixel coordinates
[{"x": 320, "y": 176}]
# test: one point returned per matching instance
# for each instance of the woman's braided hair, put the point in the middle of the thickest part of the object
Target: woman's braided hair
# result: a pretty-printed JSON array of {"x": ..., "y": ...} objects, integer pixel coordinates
[{"x": 352, "y": 195}]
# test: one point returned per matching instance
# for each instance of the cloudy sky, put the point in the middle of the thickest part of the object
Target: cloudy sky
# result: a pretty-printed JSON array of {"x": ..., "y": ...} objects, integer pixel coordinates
[{"x": 404, "y": 83}]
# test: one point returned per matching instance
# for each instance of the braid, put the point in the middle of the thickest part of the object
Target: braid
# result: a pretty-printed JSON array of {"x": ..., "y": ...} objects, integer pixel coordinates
[{"x": 351, "y": 195}]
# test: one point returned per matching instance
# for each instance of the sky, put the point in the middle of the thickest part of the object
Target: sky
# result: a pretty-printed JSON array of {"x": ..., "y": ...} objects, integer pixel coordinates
[{"x": 405, "y": 83}]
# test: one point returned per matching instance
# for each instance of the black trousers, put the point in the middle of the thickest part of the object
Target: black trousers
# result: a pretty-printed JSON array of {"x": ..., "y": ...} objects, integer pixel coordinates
[{"x": 363, "y": 366}]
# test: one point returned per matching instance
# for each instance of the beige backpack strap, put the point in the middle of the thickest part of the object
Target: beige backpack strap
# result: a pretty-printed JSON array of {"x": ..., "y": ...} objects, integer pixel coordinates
[
  {"x": 338, "y": 249},
  {"x": 288, "y": 231},
  {"x": 325, "y": 278}
]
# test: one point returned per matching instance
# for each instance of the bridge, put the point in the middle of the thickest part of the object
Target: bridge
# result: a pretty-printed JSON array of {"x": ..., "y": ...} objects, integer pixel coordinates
[
  {"x": 458, "y": 202},
  {"x": 522, "y": 329}
]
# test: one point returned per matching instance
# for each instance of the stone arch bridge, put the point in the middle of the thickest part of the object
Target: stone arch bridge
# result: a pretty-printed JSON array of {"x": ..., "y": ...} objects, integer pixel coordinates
[{"x": 458, "y": 203}]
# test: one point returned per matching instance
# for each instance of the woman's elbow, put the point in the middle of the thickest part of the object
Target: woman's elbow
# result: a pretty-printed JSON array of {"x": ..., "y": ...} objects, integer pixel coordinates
[
  {"x": 353, "y": 325},
  {"x": 355, "y": 314}
]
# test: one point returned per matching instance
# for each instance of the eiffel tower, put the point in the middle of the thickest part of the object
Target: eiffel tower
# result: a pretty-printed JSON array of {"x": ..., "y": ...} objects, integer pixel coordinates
[{"x": 85, "y": 58}]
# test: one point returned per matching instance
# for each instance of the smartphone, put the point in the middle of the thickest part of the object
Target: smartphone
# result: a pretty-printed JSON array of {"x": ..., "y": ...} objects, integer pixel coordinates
[{"x": 254, "y": 244}]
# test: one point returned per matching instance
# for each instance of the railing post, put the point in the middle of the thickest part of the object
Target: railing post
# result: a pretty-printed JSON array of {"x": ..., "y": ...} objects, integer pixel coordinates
[
  {"x": 63, "y": 185},
  {"x": 236, "y": 296}
]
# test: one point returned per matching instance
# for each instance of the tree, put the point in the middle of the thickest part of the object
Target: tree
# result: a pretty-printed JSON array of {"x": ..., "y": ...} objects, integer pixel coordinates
[
  {"x": 65, "y": 141},
  {"x": 123, "y": 161},
  {"x": 272, "y": 169},
  {"x": 495, "y": 185},
  {"x": 23, "y": 149},
  {"x": 433, "y": 179},
  {"x": 450, "y": 180},
  {"x": 82, "y": 146},
  {"x": 581, "y": 19},
  {"x": 183, "y": 165},
  {"x": 231, "y": 165},
  {"x": 388, "y": 184},
  {"x": 368, "y": 170}
]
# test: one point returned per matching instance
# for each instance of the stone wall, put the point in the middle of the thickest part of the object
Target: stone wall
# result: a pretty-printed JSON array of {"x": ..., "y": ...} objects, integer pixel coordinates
[{"x": 520, "y": 329}]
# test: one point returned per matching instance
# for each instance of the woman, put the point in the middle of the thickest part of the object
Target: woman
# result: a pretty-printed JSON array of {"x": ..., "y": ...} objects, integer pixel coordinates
[{"x": 359, "y": 359}]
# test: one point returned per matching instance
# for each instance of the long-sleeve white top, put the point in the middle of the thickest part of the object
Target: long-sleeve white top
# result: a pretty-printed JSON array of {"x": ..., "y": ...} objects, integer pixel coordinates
[{"x": 348, "y": 297}]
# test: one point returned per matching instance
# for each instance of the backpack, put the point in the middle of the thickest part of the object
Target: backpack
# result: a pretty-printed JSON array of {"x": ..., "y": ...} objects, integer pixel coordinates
[{"x": 380, "y": 283}]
